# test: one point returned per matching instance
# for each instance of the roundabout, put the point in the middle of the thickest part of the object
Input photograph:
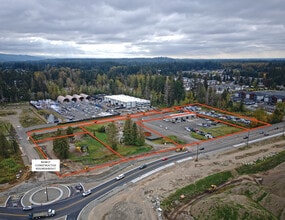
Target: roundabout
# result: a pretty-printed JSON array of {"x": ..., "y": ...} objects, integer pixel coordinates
[{"x": 45, "y": 195}]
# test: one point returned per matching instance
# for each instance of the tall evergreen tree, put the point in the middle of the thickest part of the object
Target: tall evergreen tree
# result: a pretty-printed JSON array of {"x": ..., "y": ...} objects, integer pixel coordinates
[
  {"x": 127, "y": 131},
  {"x": 60, "y": 146},
  {"x": 141, "y": 137},
  {"x": 15, "y": 146},
  {"x": 4, "y": 146},
  {"x": 112, "y": 135},
  {"x": 134, "y": 134}
]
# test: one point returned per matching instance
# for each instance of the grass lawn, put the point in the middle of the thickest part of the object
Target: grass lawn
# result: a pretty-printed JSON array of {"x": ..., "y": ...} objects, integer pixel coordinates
[
  {"x": 97, "y": 153},
  {"x": 29, "y": 118},
  {"x": 221, "y": 130},
  {"x": 52, "y": 134},
  {"x": 9, "y": 168},
  {"x": 171, "y": 137},
  {"x": 215, "y": 131},
  {"x": 131, "y": 150}
]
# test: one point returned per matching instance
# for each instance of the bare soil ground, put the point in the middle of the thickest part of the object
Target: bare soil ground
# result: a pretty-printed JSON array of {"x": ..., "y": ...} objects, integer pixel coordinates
[{"x": 141, "y": 201}]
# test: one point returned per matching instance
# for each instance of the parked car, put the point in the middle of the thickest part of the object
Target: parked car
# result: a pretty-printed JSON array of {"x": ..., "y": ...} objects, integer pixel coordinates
[
  {"x": 121, "y": 176},
  {"x": 27, "y": 208},
  {"x": 86, "y": 193},
  {"x": 165, "y": 158}
]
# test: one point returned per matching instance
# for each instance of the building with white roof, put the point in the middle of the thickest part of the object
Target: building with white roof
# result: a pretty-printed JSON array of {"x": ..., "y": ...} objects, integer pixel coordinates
[{"x": 126, "y": 101}]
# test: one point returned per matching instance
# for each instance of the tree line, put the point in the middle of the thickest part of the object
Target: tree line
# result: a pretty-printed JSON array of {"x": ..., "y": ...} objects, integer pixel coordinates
[{"x": 159, "y": 80}]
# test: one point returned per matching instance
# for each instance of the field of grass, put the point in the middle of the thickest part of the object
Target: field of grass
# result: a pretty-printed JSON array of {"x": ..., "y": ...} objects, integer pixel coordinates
[
  {"x": 9, "y": 168},
  {"x": 166, "y": 141},
  {"x": 4, "y": 113},
  {"x": 29, "y": 118},
  {"x": 262, "y": 165},
  {"x": 97, "y": 153},
  {"x": 215, "y": 131},
  {"x": 52, "y": 134},
  {"x": 121, "y": 149}
]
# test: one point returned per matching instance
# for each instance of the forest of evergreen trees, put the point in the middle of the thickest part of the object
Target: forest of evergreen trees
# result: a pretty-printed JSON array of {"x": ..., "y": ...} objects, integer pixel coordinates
[{"x": 157, "y": 79}]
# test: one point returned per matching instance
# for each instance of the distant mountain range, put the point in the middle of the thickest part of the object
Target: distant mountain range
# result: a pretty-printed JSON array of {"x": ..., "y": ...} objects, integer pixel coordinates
[
  {"x": 26, "y": 58},
  {"x": 18, "y": 58}
]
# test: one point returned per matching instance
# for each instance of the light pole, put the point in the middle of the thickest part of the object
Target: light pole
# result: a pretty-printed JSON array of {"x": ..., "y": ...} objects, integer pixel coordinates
[
  {"x": 247, "y": 138},
  {"x": 46, "y": 191},
  {"x": 197, "y": 152}
]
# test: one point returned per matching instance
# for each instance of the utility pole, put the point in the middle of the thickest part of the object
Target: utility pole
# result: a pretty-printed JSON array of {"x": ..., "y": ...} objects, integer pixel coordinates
[
  {"x": 247, "y": 138},
  {"x": 197, "y": 152}
]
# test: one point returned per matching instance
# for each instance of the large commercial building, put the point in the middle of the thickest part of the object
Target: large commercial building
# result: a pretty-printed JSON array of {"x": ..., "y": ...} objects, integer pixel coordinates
[{"x": 126, "y": 101}]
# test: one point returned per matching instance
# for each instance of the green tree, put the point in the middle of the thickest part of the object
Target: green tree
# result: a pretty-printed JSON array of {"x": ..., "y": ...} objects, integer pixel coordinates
[
  {"x": 134, "y": 133},
  {"x": 4, "y": 146},
  {"x": 141, "y": 137},
  {"x": 60, "y": 146},
  {"x": 112, "y": 135},
  {"x": 260, "y": 115},
  {"x": 201, "y": 93},
  {"x": 15, "y": 146},
  {"x": 69, "y": 131},
  {"x": 278, "y": 113},
  {"x": 127, "y": 138},
  {"x": 12, "y": 133}
]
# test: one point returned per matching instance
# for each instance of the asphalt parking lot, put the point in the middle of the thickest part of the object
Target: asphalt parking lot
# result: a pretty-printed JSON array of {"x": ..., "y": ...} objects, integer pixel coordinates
[{"x": 167, "y": 127}]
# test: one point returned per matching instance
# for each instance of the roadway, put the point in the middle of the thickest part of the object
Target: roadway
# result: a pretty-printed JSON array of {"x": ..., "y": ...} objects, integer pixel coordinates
[{"x": 72, "y": 206}]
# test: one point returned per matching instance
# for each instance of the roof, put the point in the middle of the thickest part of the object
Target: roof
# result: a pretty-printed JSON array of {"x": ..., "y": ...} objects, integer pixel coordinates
[{"x": 126, "y": 98}]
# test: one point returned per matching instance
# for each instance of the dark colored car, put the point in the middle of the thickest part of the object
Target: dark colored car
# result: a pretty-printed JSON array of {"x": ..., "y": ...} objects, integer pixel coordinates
[
  {"x": 142, "y": 166},
  {"x": 165, "y": 158}
]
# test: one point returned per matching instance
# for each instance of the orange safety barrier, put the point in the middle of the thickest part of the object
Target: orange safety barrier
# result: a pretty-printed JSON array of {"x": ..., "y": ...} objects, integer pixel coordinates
[{"x": 123, "y": 159}]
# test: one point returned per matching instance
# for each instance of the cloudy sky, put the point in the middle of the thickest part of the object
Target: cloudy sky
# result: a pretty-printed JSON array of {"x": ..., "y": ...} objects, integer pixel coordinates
[{"x": 144, "y": 28}]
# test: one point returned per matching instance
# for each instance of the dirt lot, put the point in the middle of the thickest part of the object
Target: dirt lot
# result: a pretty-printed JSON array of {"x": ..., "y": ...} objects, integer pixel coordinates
[{"x": 141, "y": 201}]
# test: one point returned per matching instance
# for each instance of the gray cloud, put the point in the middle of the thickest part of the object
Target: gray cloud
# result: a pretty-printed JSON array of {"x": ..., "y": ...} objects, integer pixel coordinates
[{"x": 123, "y": 28}]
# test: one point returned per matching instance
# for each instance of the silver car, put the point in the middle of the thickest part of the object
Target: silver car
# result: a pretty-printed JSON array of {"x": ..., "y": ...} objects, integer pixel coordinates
[{"x": 27, "y": 208}]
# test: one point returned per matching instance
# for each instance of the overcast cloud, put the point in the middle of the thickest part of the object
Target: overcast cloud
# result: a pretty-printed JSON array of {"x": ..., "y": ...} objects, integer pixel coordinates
[{"x": 144, "y": 28}]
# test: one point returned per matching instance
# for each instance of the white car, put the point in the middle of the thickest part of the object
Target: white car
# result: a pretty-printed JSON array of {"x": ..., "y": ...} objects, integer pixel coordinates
[
  {"x": 121, "y": 176},
  {"x": 86, "y": 193},
  {"x": 27, "y": 208}
]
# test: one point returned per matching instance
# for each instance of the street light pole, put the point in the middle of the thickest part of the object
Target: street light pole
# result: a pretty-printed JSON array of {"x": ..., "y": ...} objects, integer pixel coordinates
[
  {"x": 46, "y": 187},
  {"x": 247, "y": 138},
  {"x": 197, "y": 151}
]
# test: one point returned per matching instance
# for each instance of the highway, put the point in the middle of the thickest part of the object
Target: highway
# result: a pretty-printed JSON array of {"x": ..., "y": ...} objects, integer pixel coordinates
[{"x": 72, "y": 206}]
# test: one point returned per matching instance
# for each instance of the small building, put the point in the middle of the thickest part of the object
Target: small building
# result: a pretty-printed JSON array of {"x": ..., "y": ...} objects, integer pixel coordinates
[
  {"x": 70, "y": 98},
  {"x": 84, "y": 96},
  {"x": 62, "y": 99},
  {"x": 78, "y": 98}
]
